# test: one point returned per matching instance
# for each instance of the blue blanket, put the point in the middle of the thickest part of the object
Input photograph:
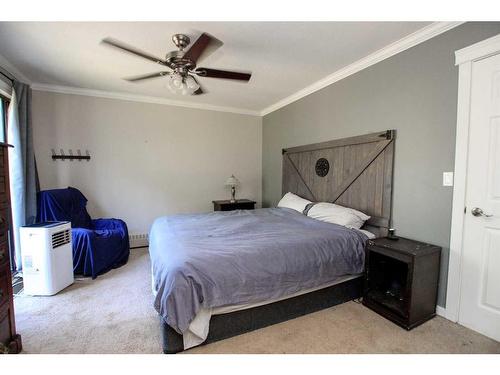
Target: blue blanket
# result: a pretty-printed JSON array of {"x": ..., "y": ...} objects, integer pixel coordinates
[
  {"x": 98, "y": 245},
  {"x": 228, "y": 258}
]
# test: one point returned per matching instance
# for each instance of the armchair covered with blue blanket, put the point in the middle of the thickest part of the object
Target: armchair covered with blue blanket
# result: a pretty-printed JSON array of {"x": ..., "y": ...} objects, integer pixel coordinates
[{"x": 98, "y": 245}]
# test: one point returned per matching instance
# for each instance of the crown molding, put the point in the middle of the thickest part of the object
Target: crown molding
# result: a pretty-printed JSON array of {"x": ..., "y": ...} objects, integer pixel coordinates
[
  {"x": 7, "y": 67},
  {"x": 138, "y": 98},
  {"x": 390, "y": 50}
]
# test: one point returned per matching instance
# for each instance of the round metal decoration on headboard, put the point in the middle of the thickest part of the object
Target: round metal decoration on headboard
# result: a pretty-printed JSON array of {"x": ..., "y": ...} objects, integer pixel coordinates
[{"x": 322, "y": 167}]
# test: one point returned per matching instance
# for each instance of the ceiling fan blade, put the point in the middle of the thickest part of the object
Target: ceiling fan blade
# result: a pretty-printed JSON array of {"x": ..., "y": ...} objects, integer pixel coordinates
[
  {"x": 124, "y": 47},
  {"x": 226, "y": 74},
  {"x": 146, "y": 76},
  {"x": 200, "y": 45}
]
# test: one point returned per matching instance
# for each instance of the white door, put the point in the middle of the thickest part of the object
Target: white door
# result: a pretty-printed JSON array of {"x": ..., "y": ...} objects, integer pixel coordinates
[{"x": 480, "y": 290}]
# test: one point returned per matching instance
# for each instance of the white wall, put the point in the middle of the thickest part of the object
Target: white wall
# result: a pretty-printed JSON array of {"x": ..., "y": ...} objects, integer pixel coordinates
[{"x": 147, "y": 160}]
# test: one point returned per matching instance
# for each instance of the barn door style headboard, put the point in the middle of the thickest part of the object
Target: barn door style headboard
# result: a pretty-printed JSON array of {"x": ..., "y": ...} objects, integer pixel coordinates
[{"x": 353, "y": 172}]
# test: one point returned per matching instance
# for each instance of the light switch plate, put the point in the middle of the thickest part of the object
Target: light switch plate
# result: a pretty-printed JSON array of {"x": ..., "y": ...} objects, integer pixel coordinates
[{"x": 447, "y": 178}]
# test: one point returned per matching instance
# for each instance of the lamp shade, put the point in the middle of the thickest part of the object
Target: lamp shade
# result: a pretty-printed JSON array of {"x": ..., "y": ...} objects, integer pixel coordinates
[{"x": 232, "y": 181}]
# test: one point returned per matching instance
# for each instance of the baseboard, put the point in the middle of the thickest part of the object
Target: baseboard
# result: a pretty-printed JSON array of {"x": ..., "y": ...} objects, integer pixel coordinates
[{"x": 441, "y": 311}]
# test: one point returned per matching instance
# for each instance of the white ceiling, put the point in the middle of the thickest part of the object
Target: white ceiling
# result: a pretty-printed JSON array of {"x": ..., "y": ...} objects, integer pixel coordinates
[{"x": 284, "y": 57}]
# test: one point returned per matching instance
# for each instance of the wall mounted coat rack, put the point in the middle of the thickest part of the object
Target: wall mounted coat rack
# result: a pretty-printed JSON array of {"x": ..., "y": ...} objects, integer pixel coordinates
[{"x": 70, "y": 156}]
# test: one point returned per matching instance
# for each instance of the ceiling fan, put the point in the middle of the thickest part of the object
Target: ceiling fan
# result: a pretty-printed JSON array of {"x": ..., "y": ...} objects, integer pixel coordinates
[{"x": 182, "y": 80}]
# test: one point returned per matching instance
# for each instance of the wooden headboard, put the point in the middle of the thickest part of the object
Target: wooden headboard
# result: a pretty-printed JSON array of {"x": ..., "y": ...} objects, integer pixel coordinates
[{"x": 354, "y": 172}]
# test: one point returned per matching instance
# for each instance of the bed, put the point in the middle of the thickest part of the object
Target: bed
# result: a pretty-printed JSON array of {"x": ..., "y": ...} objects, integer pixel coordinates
[{"x": 220, "y": 274}]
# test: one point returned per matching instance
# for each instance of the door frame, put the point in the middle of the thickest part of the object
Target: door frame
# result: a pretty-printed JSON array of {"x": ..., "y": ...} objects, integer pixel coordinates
[{"x": 464, "y": 59}]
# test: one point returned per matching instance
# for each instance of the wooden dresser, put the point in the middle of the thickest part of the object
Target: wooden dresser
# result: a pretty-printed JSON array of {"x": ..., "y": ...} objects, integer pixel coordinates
[{"x": 10, "y": 342}]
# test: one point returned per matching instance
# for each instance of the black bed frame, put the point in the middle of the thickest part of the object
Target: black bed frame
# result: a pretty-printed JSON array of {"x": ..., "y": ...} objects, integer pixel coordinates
[{"x": 232, "y": 324}]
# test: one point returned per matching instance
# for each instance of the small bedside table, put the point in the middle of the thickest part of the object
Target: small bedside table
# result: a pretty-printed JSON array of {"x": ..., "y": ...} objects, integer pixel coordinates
[
  {"x": 401, "y": 280},
  {"x": 227, "y": 205}
]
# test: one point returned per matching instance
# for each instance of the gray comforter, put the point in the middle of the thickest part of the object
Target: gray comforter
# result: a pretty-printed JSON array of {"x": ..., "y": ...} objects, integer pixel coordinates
[{"x": 228, "y": 258}]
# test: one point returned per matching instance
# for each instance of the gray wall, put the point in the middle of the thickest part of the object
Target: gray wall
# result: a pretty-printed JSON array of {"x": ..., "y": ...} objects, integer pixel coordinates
[
  {"x": 414, "y": 92},
  {"x": 148, "y": 160}
]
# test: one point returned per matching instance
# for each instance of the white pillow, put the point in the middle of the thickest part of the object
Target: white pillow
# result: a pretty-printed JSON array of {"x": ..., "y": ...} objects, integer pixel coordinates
[
  {"x": 333, "y": 213},
  {"x": 370, "y": 235},
  {"x": 294, "y": 202}
]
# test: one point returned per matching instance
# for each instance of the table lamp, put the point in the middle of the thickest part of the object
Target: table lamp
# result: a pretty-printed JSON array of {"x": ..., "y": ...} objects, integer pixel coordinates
[{"x": 233, "y": 182}]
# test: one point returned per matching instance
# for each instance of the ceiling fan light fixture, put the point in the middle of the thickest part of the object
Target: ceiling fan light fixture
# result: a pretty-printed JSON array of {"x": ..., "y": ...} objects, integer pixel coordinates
[
  {"x": 191, "y": 84},
  {"x": 175, "y": 83},
  {"x": 183, "y": 85}
]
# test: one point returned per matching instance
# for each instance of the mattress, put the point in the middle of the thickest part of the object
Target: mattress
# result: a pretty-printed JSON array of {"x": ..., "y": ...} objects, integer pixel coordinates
[{"x": 204, "y": 262}]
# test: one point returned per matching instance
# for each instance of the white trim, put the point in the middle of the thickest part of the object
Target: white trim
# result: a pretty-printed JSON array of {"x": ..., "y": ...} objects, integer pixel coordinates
[
  {"x": 464, "y": 58},
  {"x": 137, "y": 98},
  {"x": 392, "y": 49},
  {"x": 441, "y": 311},
  {"x": 481, "y": 50},
  {"x": 458, "y": 204}
]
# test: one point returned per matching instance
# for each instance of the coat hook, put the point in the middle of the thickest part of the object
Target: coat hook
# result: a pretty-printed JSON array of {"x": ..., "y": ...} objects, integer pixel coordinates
[{"x": 71, "y": 156}]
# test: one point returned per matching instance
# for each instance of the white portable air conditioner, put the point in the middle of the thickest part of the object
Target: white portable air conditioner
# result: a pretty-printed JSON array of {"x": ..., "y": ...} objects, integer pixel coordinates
[{"x": 47, "y": 258}]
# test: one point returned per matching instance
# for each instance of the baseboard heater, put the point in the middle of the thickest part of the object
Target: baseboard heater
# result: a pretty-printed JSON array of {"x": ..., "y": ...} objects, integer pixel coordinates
[{"x": 138, "y": 240}]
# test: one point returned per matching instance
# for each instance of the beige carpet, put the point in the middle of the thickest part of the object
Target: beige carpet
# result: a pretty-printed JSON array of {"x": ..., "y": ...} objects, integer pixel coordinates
[{"x": 114, "y": 314}]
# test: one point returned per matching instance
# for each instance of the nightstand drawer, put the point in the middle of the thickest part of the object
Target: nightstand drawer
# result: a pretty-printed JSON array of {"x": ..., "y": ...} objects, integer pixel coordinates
[{"x": 240, "y": 204}]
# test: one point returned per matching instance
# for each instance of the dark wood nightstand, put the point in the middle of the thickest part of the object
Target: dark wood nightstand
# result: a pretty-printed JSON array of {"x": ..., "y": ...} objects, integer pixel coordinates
[
  {"x": 401, "y": 280},
  {"x": 227, "y": 205}
]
